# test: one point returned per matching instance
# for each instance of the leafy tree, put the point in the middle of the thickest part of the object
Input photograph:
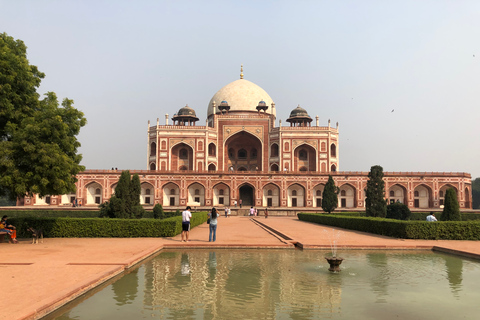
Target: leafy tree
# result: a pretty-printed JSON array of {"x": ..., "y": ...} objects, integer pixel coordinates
[
  {"x": 114, "y": 208},
  {"x": 38, "y": 144},
  {"x": 451, "y": 209},
  {"x": 330, "y": 196},
  {"x": 125, "y": 203},
  {"x": 158, "y": 212},
  {"x": 375, "y": 204},
  {"x": 398, "y": 211},
  {"x": 476, "y": 193}
]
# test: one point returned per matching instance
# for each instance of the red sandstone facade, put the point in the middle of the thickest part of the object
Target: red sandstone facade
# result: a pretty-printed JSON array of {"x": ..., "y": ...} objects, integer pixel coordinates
[{"x": 240, "y": 155}]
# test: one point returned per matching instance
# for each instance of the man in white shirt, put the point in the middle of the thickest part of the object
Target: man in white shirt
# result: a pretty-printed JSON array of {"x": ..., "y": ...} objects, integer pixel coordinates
[
  {"x": 186, "y": 215},
  {"x": 431, "y": 217}
]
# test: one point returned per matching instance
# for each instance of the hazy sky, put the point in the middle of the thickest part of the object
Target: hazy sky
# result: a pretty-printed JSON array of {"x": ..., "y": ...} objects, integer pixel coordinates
[{"x": 127, "y": 62}]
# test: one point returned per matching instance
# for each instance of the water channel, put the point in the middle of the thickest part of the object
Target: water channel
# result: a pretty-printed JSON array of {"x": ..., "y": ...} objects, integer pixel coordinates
[{"x": 287, "y": 284}]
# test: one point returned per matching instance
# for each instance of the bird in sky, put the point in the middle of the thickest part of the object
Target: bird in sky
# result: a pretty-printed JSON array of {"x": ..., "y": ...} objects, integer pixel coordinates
[{"x": 393, "y": 110}]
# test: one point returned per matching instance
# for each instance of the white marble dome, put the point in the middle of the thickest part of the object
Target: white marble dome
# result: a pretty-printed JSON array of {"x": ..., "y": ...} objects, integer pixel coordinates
[{"x": 241, "y": 95}]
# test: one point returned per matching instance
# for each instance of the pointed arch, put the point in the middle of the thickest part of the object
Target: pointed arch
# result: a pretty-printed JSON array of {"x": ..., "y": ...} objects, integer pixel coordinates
[
  {"x": 221, "y": 194},
  {"x": 196, "y": 193},
  {"x": 397, "y": 193},
  {"x": 346, "y": 197},
  {"x": 422, "y": 196},
  {"x": 318, "y": 195},
  {"x": 243, "y": 152},
  {"x": 271, "y": 195},
  {"x": 182, "y": 157},
  {"x": 305, "y": 158},
  {"x": 171, "y": 194},
  {"x": 443, "y": 190},
  {"x": 94, "y": 192},
  {"x": 246, "y": 192},
  {"x": 296, "y": 195},
  {"x": 147, "y": 193}
]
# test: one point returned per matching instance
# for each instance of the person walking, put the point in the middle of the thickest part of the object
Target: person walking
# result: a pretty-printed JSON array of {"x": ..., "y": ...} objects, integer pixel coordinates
[
  {"x": 252, "y": 211},
  {"x": 226, "y": 212},
  {"x": 266, "y": 213},
  {"x": 186, "y": 215},
  {"x": 213, "y": 225},
  {"x": 240, "y": 203},
  {"x": 431, "y": 217}
]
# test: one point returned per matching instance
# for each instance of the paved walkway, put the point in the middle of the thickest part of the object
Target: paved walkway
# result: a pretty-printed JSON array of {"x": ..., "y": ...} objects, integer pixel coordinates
[{"x": 40, "y": 278}]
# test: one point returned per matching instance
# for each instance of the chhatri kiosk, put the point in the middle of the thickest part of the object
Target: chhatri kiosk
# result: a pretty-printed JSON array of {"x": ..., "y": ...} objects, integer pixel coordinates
[{"x": 240, "y": 155}]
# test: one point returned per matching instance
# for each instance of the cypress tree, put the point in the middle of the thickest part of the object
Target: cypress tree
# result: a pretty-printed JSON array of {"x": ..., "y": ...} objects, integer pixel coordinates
[
  {"x": 158, "y": 212},
  {"x": 329, "y": 196},
  {"x": 375, "y": 203},
  {"x": 451, "y": 209},
  {"x": 137, "y": 210}
]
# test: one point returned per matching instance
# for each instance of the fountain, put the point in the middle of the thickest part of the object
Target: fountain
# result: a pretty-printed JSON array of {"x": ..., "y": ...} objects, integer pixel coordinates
[{"x": 334, "y": 261}]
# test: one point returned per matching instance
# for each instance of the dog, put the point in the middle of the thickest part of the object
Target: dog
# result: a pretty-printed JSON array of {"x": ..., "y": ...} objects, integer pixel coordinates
[{"x": 37, "y": 235}]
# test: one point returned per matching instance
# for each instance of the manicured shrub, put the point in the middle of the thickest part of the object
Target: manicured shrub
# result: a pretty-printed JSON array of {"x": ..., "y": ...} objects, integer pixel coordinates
[
  {"x": 398, "y": 211},
  {"x": 448, "y": 230},
  {"x": 99, "y": 228},
  {"x": 158, "y": 212}
]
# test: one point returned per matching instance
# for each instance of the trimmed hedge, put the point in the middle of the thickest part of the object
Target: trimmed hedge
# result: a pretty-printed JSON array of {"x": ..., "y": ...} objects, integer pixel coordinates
[
  {"x": 40, "y": 213},
  {"x": 442, "y": 230},
  {"x": 102, "y": 227},
  {"x": 422, "y": 216}
]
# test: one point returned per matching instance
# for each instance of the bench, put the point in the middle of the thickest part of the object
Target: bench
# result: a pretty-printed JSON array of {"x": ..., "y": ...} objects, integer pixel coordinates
[{"x": 2, "y": 236}]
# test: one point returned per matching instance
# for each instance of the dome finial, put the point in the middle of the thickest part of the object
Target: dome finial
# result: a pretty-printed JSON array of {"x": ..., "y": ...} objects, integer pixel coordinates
[{"x": 241, "y": 71}]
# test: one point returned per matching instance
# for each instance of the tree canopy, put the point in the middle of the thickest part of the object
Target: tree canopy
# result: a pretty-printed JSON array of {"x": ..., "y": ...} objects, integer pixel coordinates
[
  {"x": 38, "y": 144},
  {"x": 330, "y": 196},
  {"x": 375, "y": 204},
  {"x": 125, "y": 203}
]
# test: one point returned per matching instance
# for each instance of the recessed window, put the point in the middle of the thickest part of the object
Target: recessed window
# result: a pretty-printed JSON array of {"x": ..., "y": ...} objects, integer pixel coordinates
[
  {"x": 242, "y": 154},
  {"x": 183, "y": 154},
  {"x": 302, "y": 155}
]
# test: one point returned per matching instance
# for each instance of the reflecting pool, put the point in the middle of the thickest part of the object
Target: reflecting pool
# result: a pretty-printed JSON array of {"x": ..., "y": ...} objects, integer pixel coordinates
[{"x": 287, "y": 284}]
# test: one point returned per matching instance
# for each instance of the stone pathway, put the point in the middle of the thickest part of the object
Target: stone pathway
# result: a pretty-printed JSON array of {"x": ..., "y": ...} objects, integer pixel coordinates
[{"x": 40, "y": 278}]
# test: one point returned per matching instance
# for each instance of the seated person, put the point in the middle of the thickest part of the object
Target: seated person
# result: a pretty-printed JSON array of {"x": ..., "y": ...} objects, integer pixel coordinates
[{"x": 9, "y": 229}]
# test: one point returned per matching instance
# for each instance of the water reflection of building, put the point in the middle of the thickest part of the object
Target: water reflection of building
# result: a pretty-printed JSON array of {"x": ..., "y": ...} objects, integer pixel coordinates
[
  {"x": 242, "y": 154},
  {"x": 267, "y": 286}
]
